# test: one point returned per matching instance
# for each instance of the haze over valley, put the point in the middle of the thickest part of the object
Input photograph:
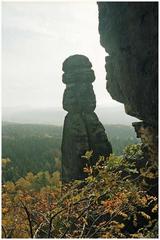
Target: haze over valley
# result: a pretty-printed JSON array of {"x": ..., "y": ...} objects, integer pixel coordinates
[{"x": 55, "y": 116}]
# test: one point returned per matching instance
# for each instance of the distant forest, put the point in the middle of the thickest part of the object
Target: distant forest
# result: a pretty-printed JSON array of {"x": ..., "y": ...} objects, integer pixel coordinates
[{"x": 36, "y": 147}]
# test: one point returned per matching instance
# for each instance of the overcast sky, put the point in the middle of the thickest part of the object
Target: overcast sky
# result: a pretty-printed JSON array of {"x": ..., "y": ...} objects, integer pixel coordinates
[{"x": 36, "y": 39}]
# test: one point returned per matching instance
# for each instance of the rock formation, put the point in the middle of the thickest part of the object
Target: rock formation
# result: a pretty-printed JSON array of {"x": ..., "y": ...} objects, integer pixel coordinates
[
  {"x": 82, "y": 130},
  {"x": 149, "y": 138},
  {"x": 129, "y": 34}
]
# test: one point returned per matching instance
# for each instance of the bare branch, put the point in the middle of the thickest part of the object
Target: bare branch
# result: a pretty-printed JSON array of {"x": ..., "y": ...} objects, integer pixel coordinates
[
  {"x": 51, "y": 219},
  {"x": 29, "y": 219},
  {"x": 84, "y": 225},
  {"x": 37, "y": 230},
  {"x": 98, "y": 229},
  {"x": 50, "y": 222},
  {"x": 99, "y": 216},
  {"x": 4, "y": 231},
  {"x": 68, "y": 229},
  {"x": 9, "y": 235}
]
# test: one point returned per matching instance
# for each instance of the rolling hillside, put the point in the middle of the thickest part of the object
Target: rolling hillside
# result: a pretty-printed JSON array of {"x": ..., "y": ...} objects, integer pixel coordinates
[{"x": 37, "y": 147}]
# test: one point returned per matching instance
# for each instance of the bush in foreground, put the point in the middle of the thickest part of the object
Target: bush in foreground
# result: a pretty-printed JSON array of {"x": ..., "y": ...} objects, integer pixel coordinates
[{"x": 110, "y": 203}]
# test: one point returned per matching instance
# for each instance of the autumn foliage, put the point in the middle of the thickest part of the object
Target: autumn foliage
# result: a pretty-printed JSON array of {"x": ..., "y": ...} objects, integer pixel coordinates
[{"x": 111, "y": 202}]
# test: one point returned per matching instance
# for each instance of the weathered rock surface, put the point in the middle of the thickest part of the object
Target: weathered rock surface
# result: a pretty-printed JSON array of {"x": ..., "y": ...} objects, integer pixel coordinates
[
  {"x": 74, "y": 144},
  {"x": 149, "y": 138},
  {"x": 129, "y": 33},
  {"x": 147, "y": 134},
  {"x": 82, "y": 130},
  {"x": 76, "y": 98}
]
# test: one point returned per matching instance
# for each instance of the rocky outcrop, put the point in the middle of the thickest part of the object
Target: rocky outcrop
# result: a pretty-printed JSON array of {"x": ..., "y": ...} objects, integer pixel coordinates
[
  {"x": 82, "y": 130},
  {"x": 129, "y": 34},
  {"x": 149, "y": 137}
]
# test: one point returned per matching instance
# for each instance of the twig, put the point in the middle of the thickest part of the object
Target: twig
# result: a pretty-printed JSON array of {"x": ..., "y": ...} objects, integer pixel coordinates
[
  {"x": 94, "y": 223},
  {"x": 76, "y": 220},
  {"x": 43, "y": 215},
  {"x": 82, "y": 232},
  {"x": 51, "y": 219},
  {"x": 9, "y": 235},
  {"x": 3, "y": 229},
  {"x": 29, "y": 219},
  {"x": 84, "y": 225},
  {"x": 98, "y": 229},
  {"x": 37, "y": 230}
]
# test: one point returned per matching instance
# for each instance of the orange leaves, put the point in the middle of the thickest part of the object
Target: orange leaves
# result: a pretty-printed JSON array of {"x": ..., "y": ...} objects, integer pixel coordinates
[
  {"x": 9, "y": 187},
  {"x": 107, "y": 235},
  {"x": 137, "y": 235},
  {"x": 39, "y": 204},
  {"x": 146, "y": 200},
  {"x": 155, "y": 208},
  {"x": 116, "y": 202},
  {"x": 143, "y": 200},
  {"x": 88, "y": 169},
  {"x": 5, "y": 210},
  {"x": 122, "y": 214},
  {"x": 98, "y": 206},
  {"x": 146, "y": 216},
  {"x": 116, "y": 225}
]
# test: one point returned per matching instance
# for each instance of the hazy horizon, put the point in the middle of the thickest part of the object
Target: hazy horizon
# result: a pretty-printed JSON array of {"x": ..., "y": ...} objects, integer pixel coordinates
[
  {"x": 55, "y": 116},
  {"x": 36, "y": 38}
]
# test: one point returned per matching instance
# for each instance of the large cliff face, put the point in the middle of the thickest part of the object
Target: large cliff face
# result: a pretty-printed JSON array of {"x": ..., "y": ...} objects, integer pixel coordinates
[{"x": 129, "y": 34}]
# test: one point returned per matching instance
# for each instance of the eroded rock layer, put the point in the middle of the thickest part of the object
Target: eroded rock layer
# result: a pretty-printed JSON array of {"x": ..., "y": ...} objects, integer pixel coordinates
[
  {"x": 82, "y": 129},
  {"x": 129, "y": 33},
  {"x": 149, "y": 137}
]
